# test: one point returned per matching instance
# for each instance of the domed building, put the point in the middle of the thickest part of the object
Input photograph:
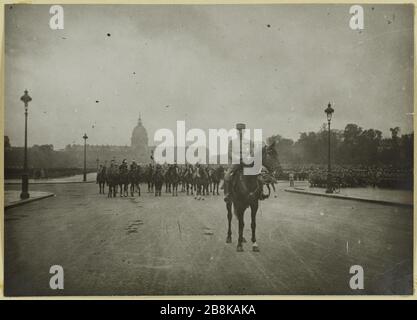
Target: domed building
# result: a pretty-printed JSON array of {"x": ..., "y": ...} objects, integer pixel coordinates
[
  {"x": 139, "y": 142},
  {"x": 139, "y": 150},
  {"x": 72, "y": 156}
]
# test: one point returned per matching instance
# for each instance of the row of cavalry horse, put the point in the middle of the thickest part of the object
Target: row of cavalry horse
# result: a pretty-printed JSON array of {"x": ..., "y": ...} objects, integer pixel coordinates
[{"x": 198, "y": 180}]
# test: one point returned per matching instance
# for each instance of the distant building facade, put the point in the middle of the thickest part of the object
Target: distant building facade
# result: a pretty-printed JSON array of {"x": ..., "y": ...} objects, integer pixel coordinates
[
  {"x": 138, "y": 150},
  {"x": 72, "y": 156}
]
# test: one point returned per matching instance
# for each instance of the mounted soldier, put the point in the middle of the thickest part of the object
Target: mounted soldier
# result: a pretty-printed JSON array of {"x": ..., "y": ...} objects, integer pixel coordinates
[
  {"x": 112, "y": 175},
  {"x": 237, "y": 160},
  {"x": 244, "y": 191},
  {"x": 133, "y": 165},
  {"x": 124, "y": 178},
  {"x": 101, "y": 178},
  {"x": 123, "y": 166},
  {"x": 134, "y": 178}
]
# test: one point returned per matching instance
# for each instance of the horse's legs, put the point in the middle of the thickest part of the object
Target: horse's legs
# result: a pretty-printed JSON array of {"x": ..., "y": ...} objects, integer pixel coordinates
[
  {"x": 138, "y": 186},
  {"x": 229, "y": 220},
  {"x": 239, "y": 214},
  {"x": 254, "y": 209}
]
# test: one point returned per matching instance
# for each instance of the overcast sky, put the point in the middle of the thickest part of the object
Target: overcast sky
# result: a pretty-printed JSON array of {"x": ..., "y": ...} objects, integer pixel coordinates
[{"x": 273, "y": 67}]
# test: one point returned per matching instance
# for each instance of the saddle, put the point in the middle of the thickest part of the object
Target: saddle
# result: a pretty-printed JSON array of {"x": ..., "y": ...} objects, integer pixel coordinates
[{"x": 237, "y": 175}]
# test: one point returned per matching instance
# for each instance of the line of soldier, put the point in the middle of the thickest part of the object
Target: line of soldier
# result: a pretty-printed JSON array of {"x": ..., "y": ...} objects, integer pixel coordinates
[
  {"x": 196, "y": 179},
  {"x": 361, "y": 176}
]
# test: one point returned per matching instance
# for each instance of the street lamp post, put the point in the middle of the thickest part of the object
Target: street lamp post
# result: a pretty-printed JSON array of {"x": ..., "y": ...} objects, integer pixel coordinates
[
  {"x": 85, "y": 157},
  {"x": 329, "y": 112},
  {"x": 25, "y": 176}
]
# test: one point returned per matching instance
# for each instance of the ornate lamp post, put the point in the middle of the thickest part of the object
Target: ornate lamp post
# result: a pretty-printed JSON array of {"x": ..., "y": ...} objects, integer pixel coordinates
[
  {"x": 329, "y": 112},
  {"x": 85, "y": 157},
  {"x": 25, "y": 176}
]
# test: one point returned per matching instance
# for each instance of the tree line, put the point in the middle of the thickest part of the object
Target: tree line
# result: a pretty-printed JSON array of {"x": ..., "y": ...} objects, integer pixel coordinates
[{"x": 351, "y": 146}]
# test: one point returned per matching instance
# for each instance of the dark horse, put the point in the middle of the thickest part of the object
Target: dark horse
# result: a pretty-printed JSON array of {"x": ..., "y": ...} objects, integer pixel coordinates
[
  {"x": 158, "y": 181},
  {"x": 188, "y": 179},
  {"x": 217, "y": 175},
  {"x": 124, "y": 181},
  {"x": 112, "y": 178},
  {"x": 201, "y": 180},
  {"x": 101, "y": 179},
  {"x": 134, "y": 177},
  {"x": 149, "y": 175},
  {"x": 245, "y": 192},
  {"x": 173, "y": 179}
]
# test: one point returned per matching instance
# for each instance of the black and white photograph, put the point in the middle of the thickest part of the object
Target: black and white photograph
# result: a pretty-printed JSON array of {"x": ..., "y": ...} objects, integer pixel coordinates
[{"x": 208, "y": 150}]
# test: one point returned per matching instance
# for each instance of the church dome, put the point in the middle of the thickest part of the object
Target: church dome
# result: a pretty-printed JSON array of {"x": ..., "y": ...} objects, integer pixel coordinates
[{"x": 139, "y": 138}]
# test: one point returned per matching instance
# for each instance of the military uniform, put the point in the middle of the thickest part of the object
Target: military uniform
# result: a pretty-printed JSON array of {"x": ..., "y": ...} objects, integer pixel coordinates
[{"x": 234, "y": 156}]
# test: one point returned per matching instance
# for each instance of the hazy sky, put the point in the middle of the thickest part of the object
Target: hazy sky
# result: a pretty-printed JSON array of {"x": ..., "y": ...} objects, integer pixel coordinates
[{"x": 273, "y": 67}]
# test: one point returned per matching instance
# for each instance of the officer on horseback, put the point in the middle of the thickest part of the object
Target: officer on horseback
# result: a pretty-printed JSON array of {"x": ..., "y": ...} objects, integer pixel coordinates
[
  {"x": 245, "y": 148},
  {"x": 235, "y": 161}
]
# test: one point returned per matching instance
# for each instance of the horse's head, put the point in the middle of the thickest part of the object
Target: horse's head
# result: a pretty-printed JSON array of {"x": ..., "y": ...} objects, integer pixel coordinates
[{"x": 270, "y": 156}]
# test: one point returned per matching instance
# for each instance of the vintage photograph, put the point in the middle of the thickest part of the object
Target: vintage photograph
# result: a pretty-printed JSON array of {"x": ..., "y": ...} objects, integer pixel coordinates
[{"x": 171, "y": 150}]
